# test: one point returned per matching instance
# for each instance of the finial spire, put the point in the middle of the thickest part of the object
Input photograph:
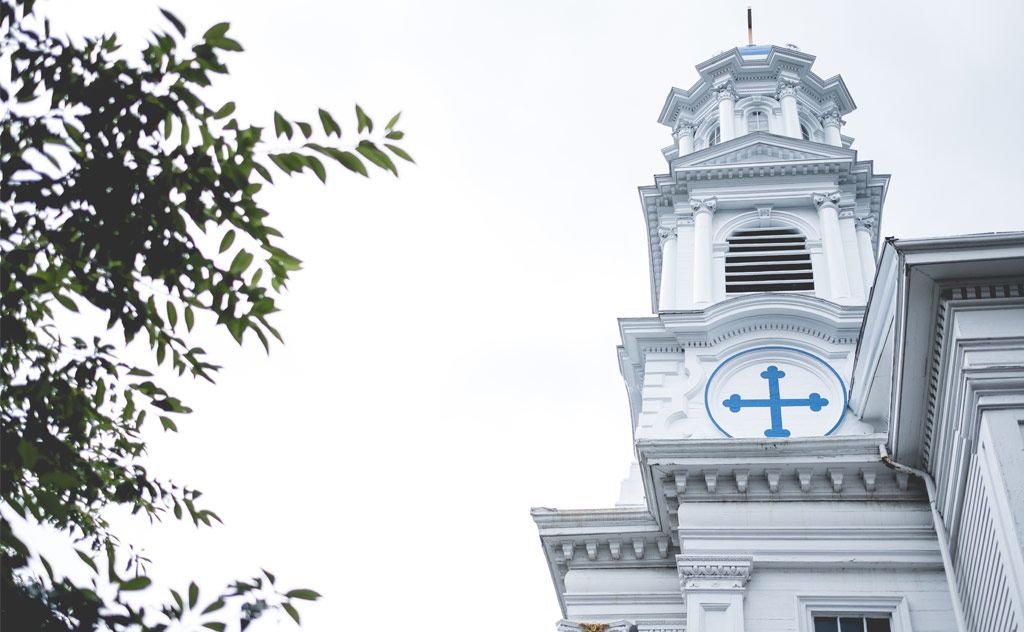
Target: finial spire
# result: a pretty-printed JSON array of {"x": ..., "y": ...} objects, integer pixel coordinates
[{"x": 750, "y": 26}]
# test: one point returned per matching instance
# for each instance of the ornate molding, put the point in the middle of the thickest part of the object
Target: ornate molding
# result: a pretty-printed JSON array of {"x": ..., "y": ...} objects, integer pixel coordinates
[
  {"x": 831, "y": 118},
  {"x": 832, "y": 199},
  {"x": 667, "y": 232},
  {"x": 566, "y": 625},
  {"x": 713, "y": 572},
  {"x": 786, "y": 89},
  {"x": 866, "y": 223},
  {"x": 725, "y": 92},
  {"x": 684, "y": 128},
  {"x": 706, "y": 205}
]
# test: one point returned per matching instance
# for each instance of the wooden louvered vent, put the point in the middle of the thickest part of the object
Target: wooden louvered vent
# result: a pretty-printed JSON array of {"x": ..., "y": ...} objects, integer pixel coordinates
[{"x": 768, "y": 260}]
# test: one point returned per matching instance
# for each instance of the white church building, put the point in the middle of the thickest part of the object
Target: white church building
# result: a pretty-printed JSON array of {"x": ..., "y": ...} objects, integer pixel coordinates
[{"x": 828, "y": 427}]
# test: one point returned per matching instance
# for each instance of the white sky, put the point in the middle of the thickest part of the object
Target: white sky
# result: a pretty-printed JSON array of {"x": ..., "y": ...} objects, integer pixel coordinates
[{"x": 450, "y": 345}]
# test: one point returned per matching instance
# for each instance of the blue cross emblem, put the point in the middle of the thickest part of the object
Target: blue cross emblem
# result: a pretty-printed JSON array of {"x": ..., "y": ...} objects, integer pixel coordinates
[{"x": 775, "y": 403}]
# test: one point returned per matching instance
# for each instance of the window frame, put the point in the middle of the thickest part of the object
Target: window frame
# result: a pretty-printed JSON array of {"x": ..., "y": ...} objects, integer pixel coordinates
[
  {"x": 714, "y": 136},
  {"x": 809, "y": 606},
  {"x": 762, "y": 115}
]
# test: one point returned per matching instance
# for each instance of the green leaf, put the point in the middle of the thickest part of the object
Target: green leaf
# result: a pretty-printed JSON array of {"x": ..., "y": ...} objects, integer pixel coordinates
[
  {"x": 28, "y": 452},
  {"x": 270, "y": 576},
  {"x": 213, "y": 607},
  {"x": 229, "y": 238},
  {"x": 292, "y": 612},
  {"x": 88, "y": 560},
  {"x": 395, "y": 135},
  {"x": 398, "y": 151},
  {"x": 318, "y": 168},
  {"x": 330, "y": 125},
  {"x": 65, "y": 301},
  {"x": 305, "y": 128},
  {"x": 352, "y": 162},
  {"x": 391, "y": 123},
  {"x": 168, "y": 424},
  {"x": 216, "y": 31},
  {"x": 215, "y": 625},
  {"x": 363, "y": 120},
  {"x": 190, "y": 317},
  {"x": 282, "y": 126},
  {"x": 237, "y": 328},
  {"x": 228, "y": 108},
  {"x": 303, "y": 593},
  {"x": 240, "y": 262},
  {"x": 172, "y": 314},
  {"x": 263, "y": 171},
  {"x": 136, "y": 583},
  {"x": 175, "y": 21},
  {"x": 193, "y": 595},
  {"x": 376, "y": 156}
]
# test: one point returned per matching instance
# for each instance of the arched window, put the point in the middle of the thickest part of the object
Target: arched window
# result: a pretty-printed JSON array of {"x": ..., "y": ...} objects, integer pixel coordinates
[
  {"x": 715, "y": 136},
  {"x": 805, "y": 133},
  {"x": 768, "y": 260},
  {"x": 757, "y": 121}
]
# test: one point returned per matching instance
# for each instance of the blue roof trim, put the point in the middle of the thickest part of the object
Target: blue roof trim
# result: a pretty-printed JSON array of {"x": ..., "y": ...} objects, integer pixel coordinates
[{"x": 756, "y": 49}]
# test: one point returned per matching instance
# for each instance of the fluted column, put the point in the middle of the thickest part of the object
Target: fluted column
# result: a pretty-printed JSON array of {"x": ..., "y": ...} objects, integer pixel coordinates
[
  {"x": 865, "y": 234},
  {"x": 832, "y": 122},
  {"x": 668, "y": 268},
  {"x": 790, "y": 116},
  {"x": 684, "y": 138},
  {"x": 832, "y": 242},
  {"x": 726, "y": 112},
  {"x": 703, "y": 238}
]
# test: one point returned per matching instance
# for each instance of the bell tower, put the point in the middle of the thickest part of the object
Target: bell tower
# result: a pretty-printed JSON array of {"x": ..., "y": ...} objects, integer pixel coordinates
[{"x": 763, "y": 192}]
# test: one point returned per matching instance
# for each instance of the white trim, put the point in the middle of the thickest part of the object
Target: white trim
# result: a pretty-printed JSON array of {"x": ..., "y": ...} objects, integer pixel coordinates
[{"x": 859, "y": 605}]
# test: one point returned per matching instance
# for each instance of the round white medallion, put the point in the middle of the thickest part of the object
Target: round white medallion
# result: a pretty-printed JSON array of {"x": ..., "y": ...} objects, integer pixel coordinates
[{"x": 775, "y": 392}]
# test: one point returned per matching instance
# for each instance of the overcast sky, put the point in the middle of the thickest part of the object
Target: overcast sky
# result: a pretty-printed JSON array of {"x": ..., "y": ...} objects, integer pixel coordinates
[{"x": 450, "y": 345}]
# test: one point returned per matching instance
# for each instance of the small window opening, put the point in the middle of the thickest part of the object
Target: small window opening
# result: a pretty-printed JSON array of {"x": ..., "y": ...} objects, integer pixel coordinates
[
  {"x": 805, "y": 133},
  {"x": 715, "y": 136},
  {"x": 768, "y": 260},
  {"x": 757, "y": 121},
  {"x": 851, "y": 624}
]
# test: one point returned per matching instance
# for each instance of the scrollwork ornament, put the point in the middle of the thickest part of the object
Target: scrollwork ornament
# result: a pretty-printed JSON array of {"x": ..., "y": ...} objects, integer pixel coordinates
[
  {"x": 831, "y": 119},
  {"x": 666, "y": 232},
  {"x": 831, "y": 198},
  {"x": 786, "y": 89},
  {"x": 725, "y": 92},
  {"x": 683, "y": 129},
  {"x": 865, "y": 223},
  {"x": 707, "y": 204}
]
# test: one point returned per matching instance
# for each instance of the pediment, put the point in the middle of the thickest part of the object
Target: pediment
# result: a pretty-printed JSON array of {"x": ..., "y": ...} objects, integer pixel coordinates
[{"x": 765, "y": 151}]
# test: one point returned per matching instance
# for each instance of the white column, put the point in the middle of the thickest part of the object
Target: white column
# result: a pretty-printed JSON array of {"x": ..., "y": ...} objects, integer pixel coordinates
[
  {"x": 727, "y": 113},
  {"x": 684, "y": 137},
  {"x": 790, "y": 116},
  {"x": 713, "y": 587},
  {"x": 851, "y": 252},
  {"x": 831, "y": 122},
  {"x": 668, "y": 268},
  {"x": 865, "y": 250},
  {"x": 703, "y": 238},
  {"x": 832, "y": 242},
  {"x": 684, "y": 259}
]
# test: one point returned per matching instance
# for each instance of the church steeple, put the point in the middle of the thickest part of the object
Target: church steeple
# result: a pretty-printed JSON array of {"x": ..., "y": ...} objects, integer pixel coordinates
[{"x": 763, "y": 192}]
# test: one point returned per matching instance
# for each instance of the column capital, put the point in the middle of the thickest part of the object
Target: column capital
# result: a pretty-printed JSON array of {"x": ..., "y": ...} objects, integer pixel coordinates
[
  {"x": 786, "y": 89},
  {"x": 847, "y": 212},
  {"x": 827, "y": 199},
  {"x": 666, "y": 232},
  {"x": 865, "y": 223},
  {"x": 831, "y": 119},
  {"x": 707, "y": 205},
  {"x": 713, "y": 572},
  {"x": 684, "y": 128},
  {"x": 725, "y": 92}
]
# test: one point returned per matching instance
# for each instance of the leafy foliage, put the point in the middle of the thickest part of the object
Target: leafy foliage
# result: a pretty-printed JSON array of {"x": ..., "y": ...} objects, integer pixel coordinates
[{"x": 116, "y": 176}]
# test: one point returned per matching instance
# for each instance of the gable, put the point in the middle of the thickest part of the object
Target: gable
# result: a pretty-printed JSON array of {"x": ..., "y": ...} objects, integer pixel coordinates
[{"x": 763, "y": 152}]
